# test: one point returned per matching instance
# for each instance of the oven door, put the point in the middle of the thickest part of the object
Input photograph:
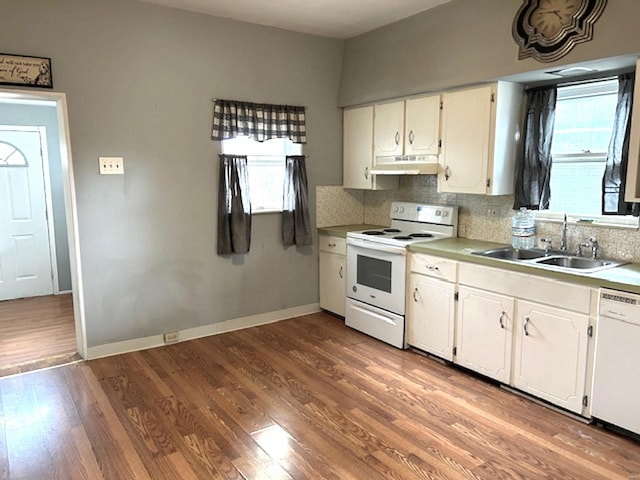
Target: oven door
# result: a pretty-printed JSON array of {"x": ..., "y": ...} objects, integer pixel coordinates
[{"x": 376, "y": 274}]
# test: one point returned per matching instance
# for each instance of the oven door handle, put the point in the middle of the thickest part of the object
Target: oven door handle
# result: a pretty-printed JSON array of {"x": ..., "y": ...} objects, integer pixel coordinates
[{"x": 377, "y": 247}]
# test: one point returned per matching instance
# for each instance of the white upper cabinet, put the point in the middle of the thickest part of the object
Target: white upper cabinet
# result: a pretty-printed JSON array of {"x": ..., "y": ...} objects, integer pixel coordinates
[
  {"x": 632, "y": 192},
  {"x": 422, "y": 126},
  {"x": 357, "y": 152},
  {"x": 410, "y": 127},
  {"x": 480, "y": 133},
  {"x": 388, "y": 129}
]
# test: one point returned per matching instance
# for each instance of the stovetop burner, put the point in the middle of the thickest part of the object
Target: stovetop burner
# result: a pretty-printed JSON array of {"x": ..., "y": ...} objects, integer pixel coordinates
[
  {"x": 421, "y": 235},
  {"x": 403, "y": 237},
  {"x": 391, "y": 230},
  {"x": 374, "y": 232}
]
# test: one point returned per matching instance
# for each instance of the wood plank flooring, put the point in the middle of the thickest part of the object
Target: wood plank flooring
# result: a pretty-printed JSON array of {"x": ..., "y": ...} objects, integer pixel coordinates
[
  {"x": 305, "y": 398},
  {"x": 36, "y": 332}
]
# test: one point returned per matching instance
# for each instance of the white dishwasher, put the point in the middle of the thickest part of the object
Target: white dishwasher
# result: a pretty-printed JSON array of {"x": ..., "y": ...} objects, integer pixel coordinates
[{"x": 616, "y": 375}]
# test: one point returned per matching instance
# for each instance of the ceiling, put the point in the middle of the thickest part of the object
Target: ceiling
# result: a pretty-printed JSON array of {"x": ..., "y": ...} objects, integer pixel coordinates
[{"x": 327, "y": 18}]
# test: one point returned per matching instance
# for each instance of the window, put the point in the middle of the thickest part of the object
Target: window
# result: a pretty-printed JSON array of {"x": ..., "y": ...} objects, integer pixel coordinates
[
  {"x": 582, "y": 129},
  {"x": 10, "y": 156},
  {"x": 266, "y": 164}
]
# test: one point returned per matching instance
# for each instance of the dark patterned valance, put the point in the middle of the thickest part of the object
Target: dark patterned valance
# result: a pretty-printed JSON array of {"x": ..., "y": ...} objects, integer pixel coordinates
[{"x": 258, "y": 121}]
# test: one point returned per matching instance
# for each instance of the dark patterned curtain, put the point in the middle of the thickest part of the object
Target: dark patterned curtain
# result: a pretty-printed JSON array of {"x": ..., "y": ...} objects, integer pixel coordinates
[
  {"x": 296, "y": 226},
  {"x": 258, "y": 121},
  {"x": 533, "y": 165},
  {"x": 234, "y": 207},
  {"x": 615, "y": 174}
]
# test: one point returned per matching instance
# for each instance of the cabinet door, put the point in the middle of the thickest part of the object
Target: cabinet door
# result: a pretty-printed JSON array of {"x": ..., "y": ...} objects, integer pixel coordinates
[
  {"x": 430, "y": 315},
  {"x": 485, "y": 332},
  {"x": 357, "y": 152},
  {"x": 332, "y": 282},
  {"x": 357, "y": 147},
  {"x": 466, "y": 127},
  {"x": 388, "y": 130},
  {"x": 551, "y": 354},
  {"x": 422, "y": 126}
]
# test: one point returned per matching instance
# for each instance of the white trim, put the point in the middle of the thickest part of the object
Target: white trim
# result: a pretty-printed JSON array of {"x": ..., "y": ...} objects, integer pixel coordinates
[
  {"x": 144, "y": 343},
  {"x": 71, "y": 208}
]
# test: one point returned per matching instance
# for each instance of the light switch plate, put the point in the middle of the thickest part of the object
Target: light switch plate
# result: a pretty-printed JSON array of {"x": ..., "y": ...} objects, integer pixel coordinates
[{"x": 111, "y": 165}]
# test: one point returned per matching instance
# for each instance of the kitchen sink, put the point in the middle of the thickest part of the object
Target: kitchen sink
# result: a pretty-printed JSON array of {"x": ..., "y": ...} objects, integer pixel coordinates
[
  {"x": 580, "y": 263},
  {"x": 552, "y": 260},
  {"x": 508, "y": 253}
]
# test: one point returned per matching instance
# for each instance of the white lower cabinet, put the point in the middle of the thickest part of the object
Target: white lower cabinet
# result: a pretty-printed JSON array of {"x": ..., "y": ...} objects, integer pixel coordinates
[
  {"x": 332, "y": 274},
  {"x": 431, "y": 315},
  {"x": 551, "y": 347},
  {"x": 484, "y": 332},
  {"x": 431, "y": 304},
  {"x": 530, "y": 332}
]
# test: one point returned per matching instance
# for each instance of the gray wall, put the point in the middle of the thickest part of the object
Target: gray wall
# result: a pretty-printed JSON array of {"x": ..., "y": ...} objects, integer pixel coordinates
[
  {"x": 465, "y": 42},
  {"x": 14, "y": 114},
  {"x": 139, "y": 81}
]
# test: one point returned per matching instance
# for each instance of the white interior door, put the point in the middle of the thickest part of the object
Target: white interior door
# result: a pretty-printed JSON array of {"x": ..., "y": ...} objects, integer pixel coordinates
[{"x": 25, "y": 259}]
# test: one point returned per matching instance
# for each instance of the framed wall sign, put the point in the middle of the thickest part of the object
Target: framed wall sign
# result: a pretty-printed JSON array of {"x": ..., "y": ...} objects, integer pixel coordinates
[{"x": 25, "y": 71}]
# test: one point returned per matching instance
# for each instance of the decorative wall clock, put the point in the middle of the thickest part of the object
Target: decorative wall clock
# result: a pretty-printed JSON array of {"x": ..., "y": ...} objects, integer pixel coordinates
[{"x": 548, "y": 29}]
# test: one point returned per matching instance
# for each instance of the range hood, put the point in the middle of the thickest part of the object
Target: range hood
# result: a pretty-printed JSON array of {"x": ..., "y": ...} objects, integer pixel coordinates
[{"x": 406, "y": 165}]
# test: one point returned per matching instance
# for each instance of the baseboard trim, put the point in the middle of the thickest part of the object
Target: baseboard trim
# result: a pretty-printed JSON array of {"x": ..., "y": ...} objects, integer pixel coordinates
[{"x": 153, "y": 341}]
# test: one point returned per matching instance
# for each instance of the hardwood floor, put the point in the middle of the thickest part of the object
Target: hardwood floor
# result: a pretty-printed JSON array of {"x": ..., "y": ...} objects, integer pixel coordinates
[
  {"x": 36, "y": 332},
  {"x": 305, "y": 398}
]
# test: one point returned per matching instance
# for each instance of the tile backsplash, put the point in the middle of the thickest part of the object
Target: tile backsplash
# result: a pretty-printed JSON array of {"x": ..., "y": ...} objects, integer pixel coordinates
[{"x": 480, "y": 217}]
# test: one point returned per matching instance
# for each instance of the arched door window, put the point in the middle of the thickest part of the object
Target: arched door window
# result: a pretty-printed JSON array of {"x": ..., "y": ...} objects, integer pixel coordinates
[{"x": 11, "y": 156}]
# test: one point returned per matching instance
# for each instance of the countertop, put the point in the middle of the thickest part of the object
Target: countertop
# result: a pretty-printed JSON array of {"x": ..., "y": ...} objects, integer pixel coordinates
[{"x": 625, "y": 277}]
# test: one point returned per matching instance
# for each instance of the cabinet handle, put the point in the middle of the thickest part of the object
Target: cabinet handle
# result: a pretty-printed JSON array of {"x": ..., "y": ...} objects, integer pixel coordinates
[
  {"x": 340, "y": 271},
  {"x": 397, "y": 138},
  {"x": 502, "y": 319},
  {"x": 366, "y": 173},
  {"x": 526, "y": 322},
  {"x": 411, "y": 137},
  {"x": 433, "y": 268},
  {"x": 447, "y": 173},
  {"x": 415, "y": 290},
  {"x": 331, "y": 245}
]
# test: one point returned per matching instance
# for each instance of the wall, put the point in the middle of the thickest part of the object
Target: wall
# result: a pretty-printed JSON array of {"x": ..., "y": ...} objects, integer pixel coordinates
[
  {"x": 38, "y": 115},
  {"x": 139, "y": 80},
  {"x": 464, "y": 42}
]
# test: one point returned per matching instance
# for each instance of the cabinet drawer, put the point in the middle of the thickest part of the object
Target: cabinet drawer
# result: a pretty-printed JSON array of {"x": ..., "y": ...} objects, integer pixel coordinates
[
  {"x": 432, "y": 266},
  {"x": 329, "y": 243}
]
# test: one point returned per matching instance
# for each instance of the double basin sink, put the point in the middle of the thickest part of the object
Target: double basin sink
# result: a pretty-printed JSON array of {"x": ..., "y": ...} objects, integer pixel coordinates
[{"x": 554, "y": 260}]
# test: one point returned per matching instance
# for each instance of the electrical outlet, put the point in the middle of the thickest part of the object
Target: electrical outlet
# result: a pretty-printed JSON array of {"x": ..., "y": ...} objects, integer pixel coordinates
[
  {"x": 171, "y": 337},
  {"x": 111, "y": 165}
]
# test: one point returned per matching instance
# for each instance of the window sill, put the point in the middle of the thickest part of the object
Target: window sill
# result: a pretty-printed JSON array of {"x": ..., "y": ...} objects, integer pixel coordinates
[{"x": 623, "y": 223}]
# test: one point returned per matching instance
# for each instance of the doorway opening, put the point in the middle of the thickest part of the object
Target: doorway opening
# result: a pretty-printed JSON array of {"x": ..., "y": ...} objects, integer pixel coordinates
[{"x": 41, "y": 322}]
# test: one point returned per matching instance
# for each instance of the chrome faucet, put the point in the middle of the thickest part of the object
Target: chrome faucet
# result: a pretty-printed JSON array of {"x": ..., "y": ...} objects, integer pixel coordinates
[
  {"x": 563, "y": 242},
  {"x": 594, "y": 247}
]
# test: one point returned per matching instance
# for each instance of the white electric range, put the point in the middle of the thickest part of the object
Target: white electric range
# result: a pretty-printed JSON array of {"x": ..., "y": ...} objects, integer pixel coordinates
[{"x": 376, "y": 267}]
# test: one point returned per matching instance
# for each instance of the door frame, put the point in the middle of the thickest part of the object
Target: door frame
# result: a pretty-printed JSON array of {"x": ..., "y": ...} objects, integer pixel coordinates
[{"x": 71, "y": 210}]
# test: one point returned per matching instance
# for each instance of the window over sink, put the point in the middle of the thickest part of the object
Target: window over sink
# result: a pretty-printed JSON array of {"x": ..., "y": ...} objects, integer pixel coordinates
[{"x": 584, "y": 118}]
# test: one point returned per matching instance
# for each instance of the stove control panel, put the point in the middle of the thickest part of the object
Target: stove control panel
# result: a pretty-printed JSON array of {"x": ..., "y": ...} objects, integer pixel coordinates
[{"x": 416, "y": 212}]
